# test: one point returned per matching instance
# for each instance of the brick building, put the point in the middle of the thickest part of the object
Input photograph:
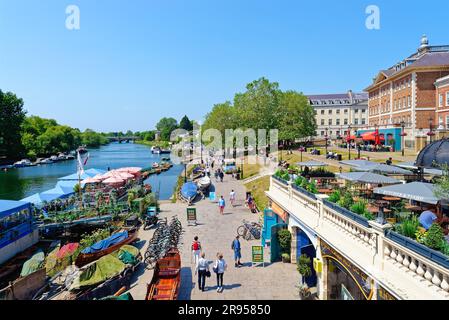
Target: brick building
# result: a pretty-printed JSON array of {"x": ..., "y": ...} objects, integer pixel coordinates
[
  {"x": 406, "y": 92},
  {"x": 442, "y": 98},
  {"x": 336, "y": 111}
]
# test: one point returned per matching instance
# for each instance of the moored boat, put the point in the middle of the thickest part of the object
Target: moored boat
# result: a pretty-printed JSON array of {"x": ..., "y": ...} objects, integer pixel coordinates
[
  {"x": 166, "y": 277},
  {"x": 22, "y": 163},
  {"x": 204, "y": 183},
  {"x": 106, "y": 246},
  {"x": 189, "y": 191},
  {"x": 155, "y": 165}
]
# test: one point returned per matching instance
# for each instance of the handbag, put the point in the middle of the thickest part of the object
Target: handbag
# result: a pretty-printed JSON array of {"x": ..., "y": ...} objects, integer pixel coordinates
[{"x": 208, "y": 274}]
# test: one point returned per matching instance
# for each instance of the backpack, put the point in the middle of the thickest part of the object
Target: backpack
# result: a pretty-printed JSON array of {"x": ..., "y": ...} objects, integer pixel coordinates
[
  {"x": 195, "y": 245},
  {"x": 232, "y": 245}
]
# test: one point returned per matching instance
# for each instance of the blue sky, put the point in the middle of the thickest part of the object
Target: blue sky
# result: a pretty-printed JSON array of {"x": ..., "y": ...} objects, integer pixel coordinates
[{"x": 133, "y": 62}]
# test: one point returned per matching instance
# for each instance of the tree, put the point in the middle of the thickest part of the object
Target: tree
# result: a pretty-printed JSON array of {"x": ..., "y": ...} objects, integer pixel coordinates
[
  {"x": 186, "y": 124},
  {"x": 149, "y": 136},
  {"x": 297, "y": 118},
  {"x": 12, "y": 116},
  {"x": 92, "y": 138},
  {"x": 166, "y": 126}
]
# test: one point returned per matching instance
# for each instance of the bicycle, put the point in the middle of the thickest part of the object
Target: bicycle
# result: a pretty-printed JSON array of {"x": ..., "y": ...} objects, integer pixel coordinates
[{"x": 249, "y": 230}]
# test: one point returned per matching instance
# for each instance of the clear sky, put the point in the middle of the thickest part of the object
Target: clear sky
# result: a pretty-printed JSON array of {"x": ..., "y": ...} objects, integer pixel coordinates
[{"x": 133, "y": 62}]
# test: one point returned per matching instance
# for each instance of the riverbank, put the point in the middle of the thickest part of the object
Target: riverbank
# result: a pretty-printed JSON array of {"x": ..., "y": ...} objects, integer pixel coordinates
[{"x": 161, "y": 144}]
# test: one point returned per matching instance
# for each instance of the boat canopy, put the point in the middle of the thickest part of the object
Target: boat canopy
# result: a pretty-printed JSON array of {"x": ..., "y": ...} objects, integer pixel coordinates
[
  {"x": 8, "y": 207},
  {"x": 189, "y": 189},
  {"x": 33, "y": 264},
  {"x": 106, "y": 243}
]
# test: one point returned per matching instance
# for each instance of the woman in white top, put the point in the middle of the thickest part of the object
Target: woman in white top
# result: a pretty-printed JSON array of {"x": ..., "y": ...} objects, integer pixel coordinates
[{"x": 219, "y": 268}]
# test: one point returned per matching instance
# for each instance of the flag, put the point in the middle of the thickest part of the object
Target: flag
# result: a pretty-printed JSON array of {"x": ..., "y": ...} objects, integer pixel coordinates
[
  {"x": 87, "y": 158},
  {"x": 80, "y": 165}
]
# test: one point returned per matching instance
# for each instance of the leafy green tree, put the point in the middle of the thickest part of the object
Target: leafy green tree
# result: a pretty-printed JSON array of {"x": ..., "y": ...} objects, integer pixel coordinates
[
  {"x": 297, "y": 119},
  {"x": 149, "y": 136},
  {"x": 166, "y": 126},
  {"x": 92, "y": 138},
  {"x": 186, "y": 124},
  {"x": 223, "y": 116},
  {"x": 12, "y": 116}
]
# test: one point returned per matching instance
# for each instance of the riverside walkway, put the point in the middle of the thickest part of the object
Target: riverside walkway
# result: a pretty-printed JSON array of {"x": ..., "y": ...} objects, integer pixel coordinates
[{"x": 273, "y": 282}]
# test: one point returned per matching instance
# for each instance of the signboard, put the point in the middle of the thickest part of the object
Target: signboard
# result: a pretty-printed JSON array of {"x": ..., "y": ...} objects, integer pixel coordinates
[
  {"x": 317, "y": 265},
  {"x": 212, "y": 196},
  {"x": 257, "y": 255},
  {"x": 279, "y": 211},
  {"x": 191, "y": 216}
]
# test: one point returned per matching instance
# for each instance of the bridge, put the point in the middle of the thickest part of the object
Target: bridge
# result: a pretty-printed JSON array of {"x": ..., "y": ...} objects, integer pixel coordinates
[
  {"x": 378, "y": 263},
  {"x": 122, "y": 139}
]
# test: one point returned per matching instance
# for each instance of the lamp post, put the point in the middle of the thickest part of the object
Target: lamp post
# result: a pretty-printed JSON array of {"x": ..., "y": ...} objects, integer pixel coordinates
[
  {"x": 301, "y": 149},
  {"x": 403, "y": 137},
  {"x": 349, "y": 142},
  {"x": 430, "y": 133},
  {"x": 325, "y": 138}
]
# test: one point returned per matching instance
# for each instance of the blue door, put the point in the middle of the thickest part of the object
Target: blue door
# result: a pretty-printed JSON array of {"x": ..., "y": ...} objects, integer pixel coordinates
[
  {"x": 311, "y": 253},
  {"x": 269, "y": 220}
]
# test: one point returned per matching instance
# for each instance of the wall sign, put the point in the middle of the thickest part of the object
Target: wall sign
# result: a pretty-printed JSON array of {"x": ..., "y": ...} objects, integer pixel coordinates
[{"x": 257, "y": 255}]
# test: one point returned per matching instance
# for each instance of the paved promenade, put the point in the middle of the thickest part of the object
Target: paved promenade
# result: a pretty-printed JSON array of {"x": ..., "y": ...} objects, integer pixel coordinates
[{"x": 216, "y": 232}]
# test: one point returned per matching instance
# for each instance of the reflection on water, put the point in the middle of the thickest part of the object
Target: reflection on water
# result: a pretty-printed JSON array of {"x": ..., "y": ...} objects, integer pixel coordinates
[{"x": 16, "y": 184}]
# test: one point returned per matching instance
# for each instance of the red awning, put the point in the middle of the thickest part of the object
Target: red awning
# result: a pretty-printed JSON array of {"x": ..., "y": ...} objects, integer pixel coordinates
[{"x": 371, "y": 136}]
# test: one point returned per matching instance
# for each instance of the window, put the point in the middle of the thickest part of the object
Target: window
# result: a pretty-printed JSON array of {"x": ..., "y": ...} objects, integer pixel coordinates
[
  {"x": 447, "y": 99},
  {"x": 363, "y": 121},
  {"x": 447, "y": 122},
  {"x": 322, "y": 133},
  {"x": 338, "y": 111},
  {"x": 322, "y": 111},
  {"x": 356, "y": 111},
  {"x": 346, "y": 111},
  {"x": 440, "y": 121},
  {"x": 409, "y": 101},
  {"x": 322, "y": 122},
  {"x": 356, "y": 121},
  {"x": 330, "y": 122},
  {"x": 346, "y": 121},
  {"x": 338, "y": 122},
  {"x": 440, "y": 103},
  {"x": 363, "y": 110},
  {"x": 330, "y": 111}
]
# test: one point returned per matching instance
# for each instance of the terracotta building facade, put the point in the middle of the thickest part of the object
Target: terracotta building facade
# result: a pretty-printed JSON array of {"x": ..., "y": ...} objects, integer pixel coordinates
[{"x": 406, "y": 93}]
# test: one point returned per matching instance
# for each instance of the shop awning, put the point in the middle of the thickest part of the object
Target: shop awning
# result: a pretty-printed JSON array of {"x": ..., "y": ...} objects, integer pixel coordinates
[
  {"x": 367, "y": 177},
  {"x": 418, "y": 191}
]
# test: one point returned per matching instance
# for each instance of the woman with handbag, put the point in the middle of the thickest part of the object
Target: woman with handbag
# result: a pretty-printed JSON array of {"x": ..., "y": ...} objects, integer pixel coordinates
[
  {"x": 202, "y": 268},
  {"x": 219, "y": 268}
]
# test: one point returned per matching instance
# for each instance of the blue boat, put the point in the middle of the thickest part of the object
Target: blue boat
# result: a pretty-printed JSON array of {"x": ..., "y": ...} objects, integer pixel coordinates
[{"x": 189, "y": 191}]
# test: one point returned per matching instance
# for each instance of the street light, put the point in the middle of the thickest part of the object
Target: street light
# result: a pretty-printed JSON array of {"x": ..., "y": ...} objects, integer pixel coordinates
[
  {"x": 430, "y": 133},
  {"x": 349, "y": 142},
  {"x": 326, "y": 137},
  {"x": 403, "y": 134}
]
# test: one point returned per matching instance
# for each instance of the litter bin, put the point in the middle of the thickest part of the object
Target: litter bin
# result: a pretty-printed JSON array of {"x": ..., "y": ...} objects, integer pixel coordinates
[{"x": 339, "y": 158}]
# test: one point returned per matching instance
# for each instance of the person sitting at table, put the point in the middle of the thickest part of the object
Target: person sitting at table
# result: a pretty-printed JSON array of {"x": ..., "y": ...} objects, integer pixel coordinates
[{"x": 427, "y": 218}]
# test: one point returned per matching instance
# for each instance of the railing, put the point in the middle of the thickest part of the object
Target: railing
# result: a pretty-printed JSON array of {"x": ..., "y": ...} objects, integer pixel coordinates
[
  {"x": 434, "y": 273},
  {"x": 347, "y": 224},
  {"x": 304, "y": 192},
  {"x": 351, "y": 215},
  {"x": 280, "y": 183}
]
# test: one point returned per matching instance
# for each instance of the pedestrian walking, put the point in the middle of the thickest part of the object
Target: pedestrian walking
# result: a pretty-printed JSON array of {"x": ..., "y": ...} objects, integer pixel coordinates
[
  {"x": 196, "y": 250},
  {"x": 202, "y": 269},
  {"x": 220, "y": 268},
  {"x": 237, "y": 251},
  {"x": 217, "y": 174},
  {"x": 221, "y": 175},
  {"x": 221, "y": 204},
  {"x": 232, "y": 198}
]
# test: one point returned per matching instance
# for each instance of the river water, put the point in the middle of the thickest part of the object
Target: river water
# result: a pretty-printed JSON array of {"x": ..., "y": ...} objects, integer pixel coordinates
[{"x": 16, "y": 184}]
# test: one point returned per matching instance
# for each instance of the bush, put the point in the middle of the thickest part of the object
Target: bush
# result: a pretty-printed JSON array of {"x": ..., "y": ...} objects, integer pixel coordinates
[
  {"x": 285, "y": 238},
  {"x": 435, "y": 237},
  {"x": 335, "y": 196},
  {"x": 303, "y": 266},
  {"x": 346, "y": 201}
]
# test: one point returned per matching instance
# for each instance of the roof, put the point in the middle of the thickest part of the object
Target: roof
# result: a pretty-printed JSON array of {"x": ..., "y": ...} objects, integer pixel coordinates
[
  {"x": 367, "y": 177},
  {"x": 418, "y": 191},
  {"x": 434, "y": 155},
  {"x": 311, "y": 164},
  {"x": 358, "y": 163},
  {"x": 384, "y": 168},
  {"x": 8, "y": 207}
]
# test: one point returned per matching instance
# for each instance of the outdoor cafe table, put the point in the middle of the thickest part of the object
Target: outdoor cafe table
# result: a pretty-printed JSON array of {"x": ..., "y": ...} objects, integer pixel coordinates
[
  {"x": 413, "y": 208},
  {"x": 375, "y": 209},
  {"x": 325, "y": 191}
]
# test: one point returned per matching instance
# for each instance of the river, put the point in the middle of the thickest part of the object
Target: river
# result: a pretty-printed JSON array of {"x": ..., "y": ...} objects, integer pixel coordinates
[{"x": 16, "y": 184}]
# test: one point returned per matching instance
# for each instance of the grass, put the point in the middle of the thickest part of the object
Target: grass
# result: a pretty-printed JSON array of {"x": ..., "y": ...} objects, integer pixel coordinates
[
  {"x": 250, "y": 170},
  {"x": 257, "y": 189},
  {"x": 161, "y": 144}
]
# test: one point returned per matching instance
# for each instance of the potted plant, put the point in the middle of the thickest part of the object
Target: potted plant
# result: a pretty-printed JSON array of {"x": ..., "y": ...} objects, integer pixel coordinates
[
  {"x": 285, "y": 238},
  {"x": 303, "y": 267},
  {"x": 286, "y": 258},
  {"x": 304, "y": 292}
]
